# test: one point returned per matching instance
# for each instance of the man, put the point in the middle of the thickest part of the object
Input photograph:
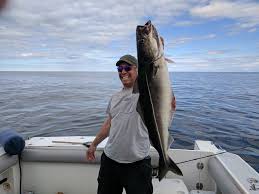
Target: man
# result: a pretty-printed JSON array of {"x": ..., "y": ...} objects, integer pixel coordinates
[{"x": 125, "y": 162}]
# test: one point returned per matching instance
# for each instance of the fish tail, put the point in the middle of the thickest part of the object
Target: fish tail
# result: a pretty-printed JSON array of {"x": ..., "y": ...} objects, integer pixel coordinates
[
  {"x": 162, "y": 170},
  {"x": 173, "y": 167},
  {"x": 165, "y": 167}
]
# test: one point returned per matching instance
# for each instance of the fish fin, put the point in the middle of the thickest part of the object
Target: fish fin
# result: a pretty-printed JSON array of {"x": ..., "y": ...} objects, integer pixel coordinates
[
  {"x": 169, "y": 60},
  {"x": 170, "y": 140},
  {"x": 164, "y": 168},
  {"x": 156, "y": 67},
  {"x": 163, "y": 42}
]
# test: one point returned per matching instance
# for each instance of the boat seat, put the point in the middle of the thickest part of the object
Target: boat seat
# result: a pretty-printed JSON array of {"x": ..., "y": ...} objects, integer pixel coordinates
[
  {"x": 233, "y": 175},
  {"x": 168, "y": 186}
]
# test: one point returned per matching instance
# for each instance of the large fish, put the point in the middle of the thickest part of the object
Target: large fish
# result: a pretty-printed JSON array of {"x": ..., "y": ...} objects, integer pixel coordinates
[{"x": 156, "y": 95}]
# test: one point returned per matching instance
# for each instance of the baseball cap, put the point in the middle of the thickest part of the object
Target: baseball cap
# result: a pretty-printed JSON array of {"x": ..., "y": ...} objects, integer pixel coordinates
[{"x": 131, "y": 60}]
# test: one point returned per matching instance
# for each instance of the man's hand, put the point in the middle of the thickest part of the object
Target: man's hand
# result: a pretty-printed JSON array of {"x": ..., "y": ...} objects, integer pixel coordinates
[
  {"x": 173, "y": 103},
  {"x": 90, "y": 154}
]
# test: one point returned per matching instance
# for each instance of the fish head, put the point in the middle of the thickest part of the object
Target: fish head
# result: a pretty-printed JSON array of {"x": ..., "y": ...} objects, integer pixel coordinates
[{"x": 149, "y": 43}]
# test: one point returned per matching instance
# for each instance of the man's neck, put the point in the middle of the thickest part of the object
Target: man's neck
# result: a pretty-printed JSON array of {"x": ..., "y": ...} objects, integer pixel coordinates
[{"x": 127, "y": 88}]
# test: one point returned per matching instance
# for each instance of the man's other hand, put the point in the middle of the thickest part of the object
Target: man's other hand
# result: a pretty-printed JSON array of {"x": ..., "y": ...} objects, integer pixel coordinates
[{"x": 90, "y": 153}]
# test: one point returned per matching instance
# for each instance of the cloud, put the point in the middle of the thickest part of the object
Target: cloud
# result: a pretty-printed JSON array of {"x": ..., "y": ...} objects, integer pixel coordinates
[
  {"x": 185, "y": 40},
  {"x": 78, "y": 25},
  {"x": 248, "y": 63},
  {"x": 186, "y": 23},
  {"x": 216, "y": 52},
  {"x": 211, "y": 64},
  {"x": 89, "y": 21},
  {"x": 252, "y": 30},
  {"x": 94, "y": 33},
  {"x": 245, "y": 13},
  {"x": 26, "y": 54},
  {"x": 70, "y": 29},
  {"x": 187, "y": 63}
]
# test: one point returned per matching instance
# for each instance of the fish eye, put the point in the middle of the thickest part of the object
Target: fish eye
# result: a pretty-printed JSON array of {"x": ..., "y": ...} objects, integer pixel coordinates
[{"x": 141, "y": 41}]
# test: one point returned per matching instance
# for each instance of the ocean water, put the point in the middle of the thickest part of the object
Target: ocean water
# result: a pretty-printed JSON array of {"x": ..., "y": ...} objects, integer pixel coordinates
[{"x": 220, "y": 107}]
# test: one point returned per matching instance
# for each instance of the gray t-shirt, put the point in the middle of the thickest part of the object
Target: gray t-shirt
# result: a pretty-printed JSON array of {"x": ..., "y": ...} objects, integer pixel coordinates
[{"x": 128, "y": 138}]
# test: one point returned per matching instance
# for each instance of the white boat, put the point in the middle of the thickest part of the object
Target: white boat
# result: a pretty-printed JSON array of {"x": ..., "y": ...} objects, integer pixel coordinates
[{"x": 48, "y": 166}]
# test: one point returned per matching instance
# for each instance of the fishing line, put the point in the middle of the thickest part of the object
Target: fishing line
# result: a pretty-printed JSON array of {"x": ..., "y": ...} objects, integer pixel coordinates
[
  {"x": 211, "y": 155},
  {"x": 20, "y": 169},
  {"x": 199, "y": 184},
  {"x": 149, "y": 92},
  {"x": 223, "y": 152}
]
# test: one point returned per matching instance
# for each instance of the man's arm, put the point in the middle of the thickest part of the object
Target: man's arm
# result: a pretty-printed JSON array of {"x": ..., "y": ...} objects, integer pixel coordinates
[
  {"x": 103, "y": 133},
  {"x": 173, "y": 103}
]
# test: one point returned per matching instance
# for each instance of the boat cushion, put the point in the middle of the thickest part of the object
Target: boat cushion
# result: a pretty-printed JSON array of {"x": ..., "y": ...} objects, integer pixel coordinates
[{"x": 12, "y": 142}]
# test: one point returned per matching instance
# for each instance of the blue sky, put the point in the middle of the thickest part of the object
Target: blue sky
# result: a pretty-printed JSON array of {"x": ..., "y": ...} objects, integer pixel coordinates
[{"x": 79, "y": 35}]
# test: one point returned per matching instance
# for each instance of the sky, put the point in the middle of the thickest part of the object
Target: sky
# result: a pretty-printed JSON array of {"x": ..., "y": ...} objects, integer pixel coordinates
[{"x": 80, "y": 35}]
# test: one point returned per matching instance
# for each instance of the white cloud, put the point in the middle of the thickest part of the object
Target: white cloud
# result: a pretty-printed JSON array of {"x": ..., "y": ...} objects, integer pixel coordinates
[
  {"x": 216, "y": 52},
  {"x": 90, "y": 21},
  {"x": 26, "y": 54},
  {"x": 252, "y": 30},
  {"x": 186, "y": 23},
  {"x": 30, "y": 55},
  {"x": 224, "y": 63},
  {"x": 184, "y": 40},
  {"x": 98, "y": 32},
  {"x": 5, "y": 32},
  {"x": 64, "y": 26},
  {"x": 245, "y": 13}
]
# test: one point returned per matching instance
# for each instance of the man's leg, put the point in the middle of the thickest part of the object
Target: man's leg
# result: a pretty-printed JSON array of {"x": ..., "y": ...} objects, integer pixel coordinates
[
  {"x": 108, "y": 178},
  {"x": 138, "y": 179}
]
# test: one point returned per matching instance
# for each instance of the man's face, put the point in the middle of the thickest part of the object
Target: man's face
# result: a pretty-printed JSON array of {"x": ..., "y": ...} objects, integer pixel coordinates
[{"x": 128, "y": 74}]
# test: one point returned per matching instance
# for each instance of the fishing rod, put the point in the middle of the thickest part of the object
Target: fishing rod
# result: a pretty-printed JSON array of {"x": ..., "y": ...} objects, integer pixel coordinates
[{"x": 86, "y": 144}]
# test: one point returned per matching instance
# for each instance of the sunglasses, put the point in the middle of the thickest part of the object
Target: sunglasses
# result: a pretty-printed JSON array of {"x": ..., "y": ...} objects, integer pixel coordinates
[{"x": 126, "y": 68}]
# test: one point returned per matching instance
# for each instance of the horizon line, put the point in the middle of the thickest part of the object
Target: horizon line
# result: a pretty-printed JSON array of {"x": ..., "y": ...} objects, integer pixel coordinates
[{"x": 116, "y": 71}]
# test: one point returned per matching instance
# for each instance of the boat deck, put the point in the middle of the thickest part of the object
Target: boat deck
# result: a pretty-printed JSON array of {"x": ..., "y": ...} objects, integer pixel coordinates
[{"x": 58, "y": 164}]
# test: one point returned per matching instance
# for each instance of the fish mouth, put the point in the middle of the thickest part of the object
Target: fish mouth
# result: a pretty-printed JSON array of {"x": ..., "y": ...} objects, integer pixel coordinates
[
  {"x": 144, "y": 30},
  {"x": 148, "y": 23}
]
